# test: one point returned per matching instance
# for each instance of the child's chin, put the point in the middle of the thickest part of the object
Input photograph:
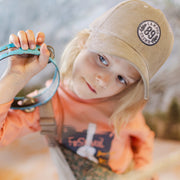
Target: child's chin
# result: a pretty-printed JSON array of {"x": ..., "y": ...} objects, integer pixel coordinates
[{"x": 85, "y": 95}]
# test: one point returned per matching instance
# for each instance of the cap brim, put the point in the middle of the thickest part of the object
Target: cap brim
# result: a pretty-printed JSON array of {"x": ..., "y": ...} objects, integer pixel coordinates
[{"x": 111, "y": 45}]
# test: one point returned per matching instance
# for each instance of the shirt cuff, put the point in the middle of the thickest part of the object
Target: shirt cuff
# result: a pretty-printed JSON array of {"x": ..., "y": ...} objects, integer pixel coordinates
[{"x": 5, "y": 107}]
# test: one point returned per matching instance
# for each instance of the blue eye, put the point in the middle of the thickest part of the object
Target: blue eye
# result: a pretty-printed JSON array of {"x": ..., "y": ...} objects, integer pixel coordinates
[
  {"x": 122, "y": 80},
  {"x": 103, "y": 60}
]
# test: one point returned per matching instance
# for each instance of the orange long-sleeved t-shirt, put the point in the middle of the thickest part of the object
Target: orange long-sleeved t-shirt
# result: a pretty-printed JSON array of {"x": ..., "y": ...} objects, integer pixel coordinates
[{"x": 85, "y": 129}]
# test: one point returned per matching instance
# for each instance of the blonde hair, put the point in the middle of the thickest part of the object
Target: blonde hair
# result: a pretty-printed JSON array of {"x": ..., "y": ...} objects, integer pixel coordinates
[
  {"x": 129, "y": 102},
  {"x": 71, "y": 52}
]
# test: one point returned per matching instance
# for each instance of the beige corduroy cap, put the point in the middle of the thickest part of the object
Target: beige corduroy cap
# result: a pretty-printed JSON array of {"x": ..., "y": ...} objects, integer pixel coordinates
[{"x": 137, "y": 32}]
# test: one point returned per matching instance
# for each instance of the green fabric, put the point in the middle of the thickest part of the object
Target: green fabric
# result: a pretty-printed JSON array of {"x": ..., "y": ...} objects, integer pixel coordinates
[{"x": 85, "y": 169}]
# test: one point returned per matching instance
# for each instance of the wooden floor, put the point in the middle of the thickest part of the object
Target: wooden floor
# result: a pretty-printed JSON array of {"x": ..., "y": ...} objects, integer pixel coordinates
[
  {"x": 28, "y": 159},
  {"x": 164, "y": 148}
]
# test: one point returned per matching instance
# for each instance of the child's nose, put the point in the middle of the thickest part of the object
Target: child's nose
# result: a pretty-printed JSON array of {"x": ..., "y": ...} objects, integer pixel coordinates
[{"x": 102, "y": 80}]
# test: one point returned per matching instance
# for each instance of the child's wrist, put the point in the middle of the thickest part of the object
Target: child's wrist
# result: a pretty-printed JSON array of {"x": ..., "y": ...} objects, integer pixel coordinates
[
  {"x": 14, "y": 81},
  {"x": 19, "y": 78}
]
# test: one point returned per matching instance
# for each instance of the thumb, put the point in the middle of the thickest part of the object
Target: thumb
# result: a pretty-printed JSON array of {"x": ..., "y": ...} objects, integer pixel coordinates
[{"x": 44, "y": 55}]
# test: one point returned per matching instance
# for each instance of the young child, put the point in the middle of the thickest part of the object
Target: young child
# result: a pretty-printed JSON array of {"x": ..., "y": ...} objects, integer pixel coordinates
[{"x": 105, "y": 74}]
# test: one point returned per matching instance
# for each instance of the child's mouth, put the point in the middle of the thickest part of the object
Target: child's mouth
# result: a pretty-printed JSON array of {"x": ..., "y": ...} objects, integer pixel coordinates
[{"x": 93, "y": 90}]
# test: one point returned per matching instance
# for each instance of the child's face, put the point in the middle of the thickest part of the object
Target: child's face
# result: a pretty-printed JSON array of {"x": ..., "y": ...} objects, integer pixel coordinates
[{"x": 98, "y": 75}]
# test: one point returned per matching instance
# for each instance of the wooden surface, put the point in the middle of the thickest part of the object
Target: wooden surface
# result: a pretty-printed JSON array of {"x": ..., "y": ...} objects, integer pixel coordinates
[{"x": 28, "y": 159}]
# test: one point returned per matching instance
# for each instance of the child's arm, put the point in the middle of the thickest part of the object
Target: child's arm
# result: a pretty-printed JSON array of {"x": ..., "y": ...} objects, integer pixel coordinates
[
  {"x": 142, "y": 142},
  {"x": 22, "y": 68},
  {"x": 16, "y": 123}
]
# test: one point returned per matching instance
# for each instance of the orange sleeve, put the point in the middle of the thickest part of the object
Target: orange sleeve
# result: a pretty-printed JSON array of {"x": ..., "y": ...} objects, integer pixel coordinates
[
  {"x": 3, "y": 112},
  {"x": 142, "y": 142},
  {"x": 16, "y": 123}
]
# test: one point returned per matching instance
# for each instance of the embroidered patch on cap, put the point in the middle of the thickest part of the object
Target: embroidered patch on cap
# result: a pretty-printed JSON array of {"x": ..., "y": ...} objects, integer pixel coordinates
[{"x": 149, "y": 32}]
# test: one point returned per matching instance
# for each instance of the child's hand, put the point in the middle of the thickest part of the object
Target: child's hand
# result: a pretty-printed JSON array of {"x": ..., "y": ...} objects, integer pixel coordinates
[
  {"x": 26, "y": 66},
  {"x": 22, "y": 68}
]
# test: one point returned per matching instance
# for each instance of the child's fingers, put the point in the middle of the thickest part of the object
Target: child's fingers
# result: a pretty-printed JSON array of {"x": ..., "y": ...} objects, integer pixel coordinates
[
  {"x": 23, "y": 40},
  {"x": 40, "y": 38},
  {"x": 15, "y": 40},
  {"x": 39, "y": 63},
  {"x": 44, "y": 56},
  {"x": 31, "y": 39}
]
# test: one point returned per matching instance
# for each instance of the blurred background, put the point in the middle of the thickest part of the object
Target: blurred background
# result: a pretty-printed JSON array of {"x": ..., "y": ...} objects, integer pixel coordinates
[{"x": 60, "y": 20}]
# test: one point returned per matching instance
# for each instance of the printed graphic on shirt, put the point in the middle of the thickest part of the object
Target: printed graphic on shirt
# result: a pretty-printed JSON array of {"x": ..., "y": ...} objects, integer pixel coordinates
[
  {"x": 88, "y": 144},
  {"x": 87, "y": 150}
]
